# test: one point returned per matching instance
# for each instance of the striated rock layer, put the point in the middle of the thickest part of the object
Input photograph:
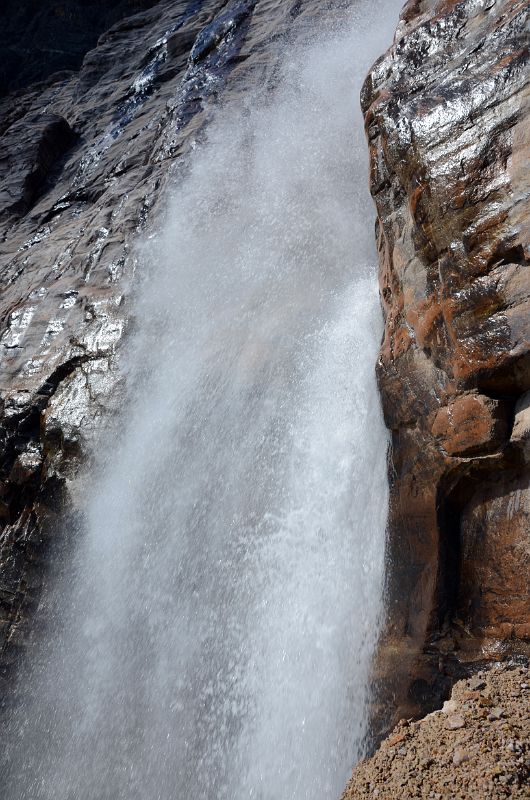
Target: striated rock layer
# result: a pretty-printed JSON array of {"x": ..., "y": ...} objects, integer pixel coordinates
[
  {"x": 447, "y": 120},
  {"x": 84, "y": 160}
]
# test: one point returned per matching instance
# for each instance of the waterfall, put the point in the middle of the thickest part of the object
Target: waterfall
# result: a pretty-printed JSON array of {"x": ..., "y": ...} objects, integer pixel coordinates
[{"x": 219, "y": 619}]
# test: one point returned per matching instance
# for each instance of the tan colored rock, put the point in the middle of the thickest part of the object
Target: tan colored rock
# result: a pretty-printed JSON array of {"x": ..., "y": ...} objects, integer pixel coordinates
[
  {"x": 484, "y": 760},
  {"x": 454, "y": 722},
  {"x": 460, "y": 756},
  {"x": 449, "y": 707}
]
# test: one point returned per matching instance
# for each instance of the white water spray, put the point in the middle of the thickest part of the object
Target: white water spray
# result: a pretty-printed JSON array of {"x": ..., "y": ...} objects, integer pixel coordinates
[{"x": 225, "y": 603}]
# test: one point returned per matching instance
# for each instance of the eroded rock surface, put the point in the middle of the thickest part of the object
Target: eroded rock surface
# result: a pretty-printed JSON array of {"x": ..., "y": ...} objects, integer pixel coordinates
[
  {"x": 447, "y": 119},
  {"x": 85, "y": 160}
]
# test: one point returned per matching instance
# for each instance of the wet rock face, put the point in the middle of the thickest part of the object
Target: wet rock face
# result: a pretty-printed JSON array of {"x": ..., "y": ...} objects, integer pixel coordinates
[
  {"x": 447, "y": 119},
  {"x": 84, "y": 163},
  {"x": 28, "y": 152}
]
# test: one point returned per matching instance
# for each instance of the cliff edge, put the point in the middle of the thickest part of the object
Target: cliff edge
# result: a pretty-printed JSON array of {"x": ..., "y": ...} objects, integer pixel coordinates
[{"x": 447, "y": 120}]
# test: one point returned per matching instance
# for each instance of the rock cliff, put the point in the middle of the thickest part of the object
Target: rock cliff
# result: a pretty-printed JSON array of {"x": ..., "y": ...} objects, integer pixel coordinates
[
  {"x": 447, "y": 120},
  {"x": 84, "y": 159},
  {"x": 40, "y": 37}
]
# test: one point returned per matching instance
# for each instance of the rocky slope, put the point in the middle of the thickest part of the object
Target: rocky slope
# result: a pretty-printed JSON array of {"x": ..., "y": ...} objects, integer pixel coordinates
[
  {"x": 478, "y": 746},
  {"x": 84, "y": 159},
  {"x": 447, "y": 120}
]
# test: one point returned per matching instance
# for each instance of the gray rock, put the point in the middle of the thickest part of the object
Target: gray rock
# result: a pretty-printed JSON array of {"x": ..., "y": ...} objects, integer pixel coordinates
[
  {"x": 459, "y": 756},
  {"x": 454, "y": 722},
  {"x": 85, "y": 161}
]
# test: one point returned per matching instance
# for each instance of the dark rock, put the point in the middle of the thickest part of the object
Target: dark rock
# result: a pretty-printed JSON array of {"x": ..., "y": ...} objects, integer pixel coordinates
[
  {"x": 226, "y": 22},
  {"x": 29, "y": 150},
  {"x": 42, "y": 37},
  {"x": 73, "y": 208}
]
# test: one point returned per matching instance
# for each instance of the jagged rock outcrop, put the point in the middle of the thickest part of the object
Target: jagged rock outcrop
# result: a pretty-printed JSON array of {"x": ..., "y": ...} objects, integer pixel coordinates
[{"x": 447, "y": 120}]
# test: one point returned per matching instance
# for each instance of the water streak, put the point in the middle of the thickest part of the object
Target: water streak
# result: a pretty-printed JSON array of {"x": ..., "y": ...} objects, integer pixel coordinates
[{"x": 223, "y": 607}]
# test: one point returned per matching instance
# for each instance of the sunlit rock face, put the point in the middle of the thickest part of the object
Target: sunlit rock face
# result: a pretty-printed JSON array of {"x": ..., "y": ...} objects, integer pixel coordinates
[
  {"x": 446, "y": 113},
  {"x": 84, "y": 160}
]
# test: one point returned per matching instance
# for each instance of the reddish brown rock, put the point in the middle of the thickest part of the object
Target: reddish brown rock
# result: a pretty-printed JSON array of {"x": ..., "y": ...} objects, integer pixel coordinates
[
  {"x": 447, "y": 120},
  {"x": 470, "y": 424}
]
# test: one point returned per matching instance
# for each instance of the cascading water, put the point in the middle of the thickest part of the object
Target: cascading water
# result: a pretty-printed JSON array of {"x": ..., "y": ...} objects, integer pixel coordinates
[{"x": 223, "y": 607}]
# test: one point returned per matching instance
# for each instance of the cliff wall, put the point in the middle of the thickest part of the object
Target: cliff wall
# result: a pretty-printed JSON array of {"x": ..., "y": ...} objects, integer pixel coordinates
[
  {"x": 84, "y": 161},
  {"x": 447, "y": 120}
]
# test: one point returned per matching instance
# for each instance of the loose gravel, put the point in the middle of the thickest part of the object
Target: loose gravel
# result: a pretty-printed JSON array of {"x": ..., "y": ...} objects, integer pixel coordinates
[{"x": 476, "y": 748}]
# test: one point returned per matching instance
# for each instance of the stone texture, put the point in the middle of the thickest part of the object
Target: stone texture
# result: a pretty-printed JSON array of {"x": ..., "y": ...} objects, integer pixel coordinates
[
  {"x": 470, "y": 424},
  {"x": 487, "y": 756},
  {"x": 520, "y": 437},
  {"x": 447, "y": 120},
  {"x": 28, "y": 152},
  {"x": 84, "y": 163}
]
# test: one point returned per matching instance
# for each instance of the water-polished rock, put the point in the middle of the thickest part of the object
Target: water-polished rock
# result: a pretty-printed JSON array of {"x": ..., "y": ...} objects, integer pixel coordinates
[
  {"x": 447, "y": 120},
  {"x": 85, "y": 159}
]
